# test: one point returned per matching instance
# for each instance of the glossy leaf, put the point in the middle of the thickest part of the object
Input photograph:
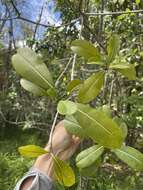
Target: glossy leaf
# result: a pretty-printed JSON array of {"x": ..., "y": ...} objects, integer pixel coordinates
[
  {"x": 90, "y": 170},
  {"x": 128, "y": 70},
  {"x": 66, "y": 107},
  {"x": 31, "y": 87},
  {"x": 73, "y": 84},
  {"x": 73, "y": 127},
  {"x": 91, "y": 87},
  {"x": 31, "y": 151},
  {"x": 88, "y": 156},
  {"x": 63, "y": 172},
  {"x": 130, "y": 156},
  {"x": 113, "y": 47},
  {"x": 31, "y": 67},
  {"x": 122, "y": 125},
  {"x": 99, "y": 127},
  {"x": 85, "y": 49},
  {"x": 92, "y": 61}
]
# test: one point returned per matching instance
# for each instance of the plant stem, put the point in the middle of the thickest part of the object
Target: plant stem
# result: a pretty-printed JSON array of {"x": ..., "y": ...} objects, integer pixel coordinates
[{"x": 52, "y": 131}]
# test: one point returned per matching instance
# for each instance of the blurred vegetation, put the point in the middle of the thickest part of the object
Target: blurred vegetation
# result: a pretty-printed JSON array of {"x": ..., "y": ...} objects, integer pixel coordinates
[{"x": 25, "y": 119}]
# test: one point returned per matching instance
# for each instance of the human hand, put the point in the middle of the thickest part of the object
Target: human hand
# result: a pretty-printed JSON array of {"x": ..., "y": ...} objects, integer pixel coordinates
[{"x": 63, "y": 144}]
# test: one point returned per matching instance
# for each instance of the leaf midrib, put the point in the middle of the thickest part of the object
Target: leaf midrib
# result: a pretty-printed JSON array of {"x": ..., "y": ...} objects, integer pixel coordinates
[
  {"x": 94, "y": 121},
  {"x": 34, "y": 152},
  {"x": 92, "y": 153},
  {"x": 36, "y": 70},
  {"x": 130, "y": 156},
  {"x": 100, "y": 75}
]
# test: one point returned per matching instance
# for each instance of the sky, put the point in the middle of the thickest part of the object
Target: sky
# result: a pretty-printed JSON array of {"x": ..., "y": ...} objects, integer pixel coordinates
[{"x": 30, "y": 9}]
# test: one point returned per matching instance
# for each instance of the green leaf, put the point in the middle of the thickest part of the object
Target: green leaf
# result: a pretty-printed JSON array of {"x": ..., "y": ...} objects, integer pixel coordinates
[
  {"x": 130, "y": 156},
  {"x": 66, "y": 107},
  {"x": 51, "y": 92},
  {"x": 31, "y": 151},
  {"x": 113, "y": 47},
  {"x": 73, "y": 127},
  {"x": 85, "y": 49},
  {"x": 99, "y": 126},
  {"x": 91, "y": 87},
  {"x": 128, "y": 70},
  {"x": 90, "y": 170},
  {"x": 89, "y": 156},
  {"x": 58, "y": 186},
  {"x": 92, "y": 61},
  {"x": 31, "y": 67},
  {"x": 124, "y": 129},
  {"x": 106, "y": 109},
  {"x": 63, "y": 172},
  {"x": 73, "y": 84},
  {"x": 122, "y": 125},
  {"x": 31, "y": 87},
  {"x": 138, "y": 2}
]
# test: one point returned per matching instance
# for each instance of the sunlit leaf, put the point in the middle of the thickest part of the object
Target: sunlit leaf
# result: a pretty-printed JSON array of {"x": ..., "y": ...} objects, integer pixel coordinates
[
  {"x": 31, "y": 151},
  {"x": 73, "y": 127},
  {"x": 91, "y": 87},
  {"x": 73, "y": 84},
  {"x": 31, "y": 87},
  {"x": 130, "y": 156},
  {"x": 85, "y": 49},
  {"x": 92, "y": 61},
  {"x": 90, "y": 170},
  {"x": 113, "y": 47},
  {"x": 88, "y": 156},
  {"x": 31, "y": 67},
  {"x": 128, "y": 70},
  {"x": 66, "y": 107},
  {"x": 98, "y": 126},
  {"x": 138, "y": 2},
  {"x": 63, "y": 172}
]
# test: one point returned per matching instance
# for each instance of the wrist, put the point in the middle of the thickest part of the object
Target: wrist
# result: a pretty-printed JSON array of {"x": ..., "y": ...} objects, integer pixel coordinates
[{"x": 44, "y": 163}]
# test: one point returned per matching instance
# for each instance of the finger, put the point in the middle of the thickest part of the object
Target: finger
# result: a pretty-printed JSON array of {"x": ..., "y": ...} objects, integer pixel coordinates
[
  {"x": 65, "y": 155},
  {"x": 75, "y": 139}
]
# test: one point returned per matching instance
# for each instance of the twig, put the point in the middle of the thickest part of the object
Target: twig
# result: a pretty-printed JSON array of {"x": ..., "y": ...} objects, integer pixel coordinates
[
  {"x": 15, "y": 8},
  {"x": 39, "y": 20},
  {"x": 66, "y": 67},
  {"x": 95, "y": 36},
  {"x": 21, "y": 122},
  {"x": 52, "y": 131},
  {"x": 75, "y": 55},
  {"x": 39, "y": 24},
  {"x": 73, "y": 66},
  {"x": 111, "y": 92},
  {"x": 101, "y": 21},
  {"x": 114, "y": 13},
  {"x": 105, "y": 88}
]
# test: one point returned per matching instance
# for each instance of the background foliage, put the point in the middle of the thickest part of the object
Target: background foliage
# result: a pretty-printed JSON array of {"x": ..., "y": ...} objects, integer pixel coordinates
[{"x": 25, "y": 119}]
